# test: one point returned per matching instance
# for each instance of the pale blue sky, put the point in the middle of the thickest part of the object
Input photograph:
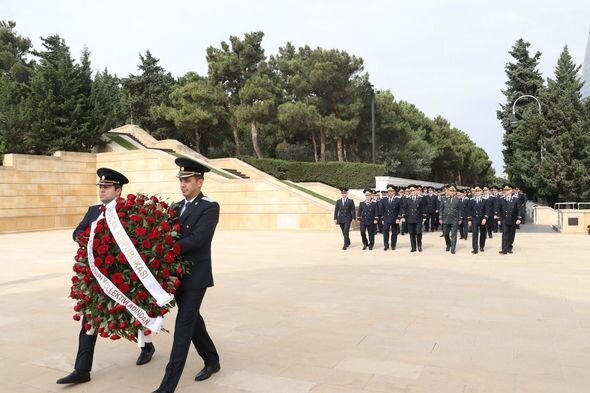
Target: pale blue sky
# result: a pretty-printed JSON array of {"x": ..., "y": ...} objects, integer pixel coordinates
[{"x": 446, "y": 57}]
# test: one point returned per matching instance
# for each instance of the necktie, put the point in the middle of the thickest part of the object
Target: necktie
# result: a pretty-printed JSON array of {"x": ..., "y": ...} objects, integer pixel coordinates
[{"x": 184, "y": 207}]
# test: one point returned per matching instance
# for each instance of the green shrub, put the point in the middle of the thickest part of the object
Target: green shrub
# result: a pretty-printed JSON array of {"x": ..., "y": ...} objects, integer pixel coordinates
[{"x": 333, "y": 173}]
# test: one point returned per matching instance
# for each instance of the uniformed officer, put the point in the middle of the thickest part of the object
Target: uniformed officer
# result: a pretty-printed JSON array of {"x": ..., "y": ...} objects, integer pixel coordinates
[
  {"x": 450, "y": 218},
  {"x": 343, "y": 215},
  {"x": 478, "y": 212},
  {"x": 198, "y": 216},
  {"x": 414, "y": 216},
  {"x": 367, "y": 218},
  {"x": 110, "y": 186},
  {"x": 463, "y": 226},
  {"x": 391, "y": 207},
  {"x": 378, "y": 212},
  {"x": 508, "y": 211},
  {"x": 430, "y": 200}
]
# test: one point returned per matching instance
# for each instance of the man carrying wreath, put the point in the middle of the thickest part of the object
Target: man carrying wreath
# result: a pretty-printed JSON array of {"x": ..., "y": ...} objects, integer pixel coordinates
[
  {"x": 198, "y": 217},
  {"x": 110, "y": 186}
]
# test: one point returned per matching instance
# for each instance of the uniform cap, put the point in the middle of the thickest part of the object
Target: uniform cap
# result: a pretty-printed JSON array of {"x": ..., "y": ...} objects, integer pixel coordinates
[{"x": 109, "y": 176}]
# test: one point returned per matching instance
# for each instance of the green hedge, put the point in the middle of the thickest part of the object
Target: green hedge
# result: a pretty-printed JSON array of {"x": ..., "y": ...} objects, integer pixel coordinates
[{"x": 333, "y": 173}]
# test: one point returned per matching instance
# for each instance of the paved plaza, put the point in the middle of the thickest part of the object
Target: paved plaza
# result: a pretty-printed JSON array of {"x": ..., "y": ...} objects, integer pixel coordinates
[{"x": 293, "y": 313}]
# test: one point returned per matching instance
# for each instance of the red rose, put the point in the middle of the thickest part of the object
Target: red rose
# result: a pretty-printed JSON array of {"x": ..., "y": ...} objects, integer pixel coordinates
[
  {"x": 179, "y": 271},
  {"x": 99, "y": 228},
  {"x": 163, "y": 311},
  {"x": 124, "y": 288},
  {"x": 102, "y": 250},
  {"x": 164, "y": 285},
  {"x": 105, "y": 239},
  {"x": 104, "y": 334},
  {"x": 177, "y": 249},
  {"x": 146, "y": 244},
  {"x": 121, "y": 258},
  {"x": 104, "y": 271},
  {"x": 120, "y": 307},
  {"x": 134, "y": 242},
  {"x": 75, "y": 280},
  {"x": 98, "y": 262},
  {"x": 165, "y": 273},
  {"x": 176, "y": 227},
  {"x": 169, "y": 258},
  {"x": 133, "y": 277},
  {"x": 143, "y": 257},
  {"x": 142, "y": 295},
  {"x": 172, "y": 213},
  {"x": 130, "y": 197},
  {"x": 177, "y": 283},
  {"x": 99, "y": 307},
  {"x": 86, "y": 280},
  {"x": 172, "y": 291},
  {"x": 141, "y": 210},
  {"x": 147, "y": 332},
  {"x": 140, "y": 201},
  {"x": 136, "y": 324},
  {"x": 82, "y": 253},
  {"x": 164, "y": 204},
  {"x": 115, "y": 337},
  {"x": 112, "y": 326},
  {"x": 117, "y": 278},
  {"x": 165, "y": 226},
  {"x": 159, "y": 248},
  {"x": 135, "y": 218},
  {"x": 87, "y": 326},
  {"x": 150, "y": 219},
  {"x": 86, "y": 232},
  {"x": 158, "y": 213},
  {"x": 155, "y": 264},
  {"x": 109, "y": 259},
  {"x": 154, "y": 199},
  {"x": 95, "y": 289},
  {"x": 169, "y": 239},
  {"x": 121, "y": 214},
  {"x": 141, "y": 231},
  {"x": 78, "y": 307},
  {"x": 76, "y": 317},
  {"x": 131, "y": 337},
  {"x": 155, "y": 234}
]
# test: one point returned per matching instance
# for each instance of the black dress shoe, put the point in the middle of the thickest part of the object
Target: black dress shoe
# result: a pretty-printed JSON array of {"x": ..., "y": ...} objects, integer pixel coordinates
[
  {"x": 146, "y": 354},
  {"x": 448, "y": 248},
  {"x": 481, "y": 249},
  {"x": 365, "y": 247},
  {"x": 420, "y": 249},
  {"x": 370, "y": 247},
  {"x": 74, "y": 377},
  {"x": 207, "y": 371},
  {"x": 344, "y": 247},
  {"x": 474, "y": 252},
  {"x": 452, "y": 251},
  {"x": 413, "y": 250},
  {"x": 385, "y": 248},
  {"x": 442, "y": 236},
  {"x": 509, "y": 251},
  {"x": 392, "y": 248},
  {"x": 502, "y": 252}
]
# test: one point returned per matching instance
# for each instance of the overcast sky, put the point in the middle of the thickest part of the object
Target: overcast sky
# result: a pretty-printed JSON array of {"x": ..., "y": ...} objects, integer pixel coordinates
[{"x": 446, "y": 57}]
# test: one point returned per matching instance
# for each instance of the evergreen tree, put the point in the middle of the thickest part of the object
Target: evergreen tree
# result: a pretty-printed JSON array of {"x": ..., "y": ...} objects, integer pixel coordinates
[
  {"x": 106, "y": 98},
  {"x": 143, "y": 92},
  {"x": 524, "y": 78}
]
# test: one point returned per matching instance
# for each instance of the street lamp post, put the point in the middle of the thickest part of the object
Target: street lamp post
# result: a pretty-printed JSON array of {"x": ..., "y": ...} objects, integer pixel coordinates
[
  {"x": 514, "y": 120},
  {"x": 373, "y": 121}
]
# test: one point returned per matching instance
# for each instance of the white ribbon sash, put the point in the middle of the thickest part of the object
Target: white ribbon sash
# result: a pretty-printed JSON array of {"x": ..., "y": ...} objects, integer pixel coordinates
[{"x": 137, "y": 264}]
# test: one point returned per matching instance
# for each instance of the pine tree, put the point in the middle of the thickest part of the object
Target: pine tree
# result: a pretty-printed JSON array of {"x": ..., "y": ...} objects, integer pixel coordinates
[{"x": 524, "y": 78}]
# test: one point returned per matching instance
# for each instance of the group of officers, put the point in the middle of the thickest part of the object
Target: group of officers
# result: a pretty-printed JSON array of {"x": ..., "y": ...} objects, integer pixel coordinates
[{"x": 415, "y": 209}]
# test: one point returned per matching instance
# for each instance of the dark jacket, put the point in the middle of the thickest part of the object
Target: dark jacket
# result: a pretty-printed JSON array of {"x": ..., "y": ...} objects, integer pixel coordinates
[
  {"x": 196, "y": 234},
  {"x": 451, "y": 210},
  {"x": 344, "y": 213},
  {"x": 477, "y": 211},
  {"x": 509, "y": 211},
  {"x": 91, "y": 215},
  {"x": 391, "y": 211},
  {"x": 413, "y": 210},
  {"x": 367, "y": 212}
]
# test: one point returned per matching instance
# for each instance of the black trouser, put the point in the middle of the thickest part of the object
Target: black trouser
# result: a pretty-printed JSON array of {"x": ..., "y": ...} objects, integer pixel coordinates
[
  {"x": 378, "y": 226},
  {"x": 189, "y": 327},
  {"x": 432, "y": 218},
  {"x": 463, "y": 227},
  {"x": 490, "y": 227},
  {"x": 403, "y": 227},
  {"x": 508, "y": 234},
  {"x": 478, "y": 229},
  {"x": 387, "y": 228},
  {"x": 450, "y": 232},
  {"x": 415, "y": 231},
  {"x": 345, "y": 228},
  {"x": 86, "y": 344},
  {"x": 368, "y": 229}
]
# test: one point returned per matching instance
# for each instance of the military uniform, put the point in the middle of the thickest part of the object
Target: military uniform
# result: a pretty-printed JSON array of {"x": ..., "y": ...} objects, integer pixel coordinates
[
  {"x": 450, "y": 215},
  {"x": 478, "y": 211},
  {"x": 367, "y": 215},
  {"x": 413, "y": 213},
  {"x": 508, "y": 210},
  {"x": 391, "y": 206},
  {"x": 343, "y": 216}
]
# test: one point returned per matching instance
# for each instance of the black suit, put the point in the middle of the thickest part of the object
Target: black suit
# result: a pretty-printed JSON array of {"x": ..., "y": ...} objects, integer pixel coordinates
[
  {"x": 198, "y": 224},
  {"x": 509, "y": 212},
  {"x": 367, "y": 214},
  {"x": 343, "y": 215},
  {"x": 86, "y": 342},
  {"x": 479, "y": 209},
  {"x": 413, "y": 211},
  {"x": 391, "y": 213}
]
